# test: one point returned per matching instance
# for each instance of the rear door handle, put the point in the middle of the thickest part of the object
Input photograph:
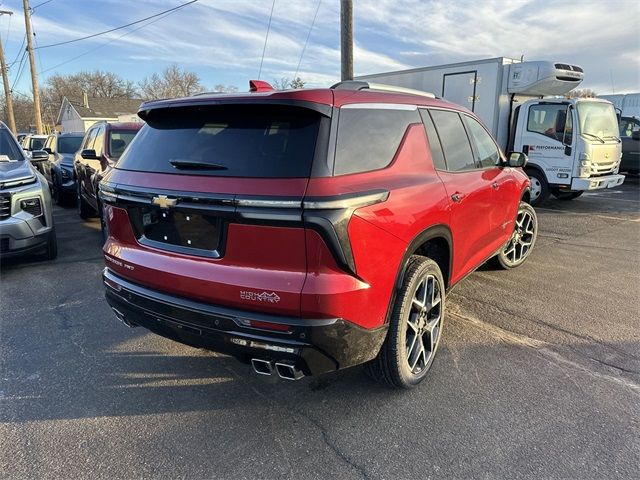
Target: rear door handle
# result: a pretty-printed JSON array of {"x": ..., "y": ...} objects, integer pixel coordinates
[
  {"x": 457, "y": 197},
  {"x": 495, "y": 185}
]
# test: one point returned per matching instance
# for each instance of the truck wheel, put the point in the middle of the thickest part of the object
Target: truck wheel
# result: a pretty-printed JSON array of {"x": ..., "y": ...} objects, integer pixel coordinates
[
  {"x": 566, "y": 195},
  {"x": 539, "y": 187},
  {"x": 523, "y": 238},
  {"x": 84, "y": 209},
  {"x": 52, "y": 245},
  {"x": 415, "y": 327}
]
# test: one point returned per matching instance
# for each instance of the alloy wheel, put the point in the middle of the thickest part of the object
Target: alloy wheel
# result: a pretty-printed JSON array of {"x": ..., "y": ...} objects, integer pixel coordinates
[
  {"x": 522, "y": 238},
  {"x": 423, "y": 324}
]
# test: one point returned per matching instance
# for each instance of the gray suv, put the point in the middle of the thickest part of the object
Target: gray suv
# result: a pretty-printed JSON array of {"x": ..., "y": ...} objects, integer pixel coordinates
[{"x": 26, "y": 220}]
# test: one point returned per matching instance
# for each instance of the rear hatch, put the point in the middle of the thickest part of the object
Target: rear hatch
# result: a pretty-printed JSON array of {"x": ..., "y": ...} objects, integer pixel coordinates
[{"x": 206, "y": 202}]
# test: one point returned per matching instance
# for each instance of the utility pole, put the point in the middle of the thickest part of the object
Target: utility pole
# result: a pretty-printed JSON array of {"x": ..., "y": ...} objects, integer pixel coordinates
[
  {"x": 5, "y": 82},
  {"x": 346, "y": 39},
  {"x": 34, "y": 73}
]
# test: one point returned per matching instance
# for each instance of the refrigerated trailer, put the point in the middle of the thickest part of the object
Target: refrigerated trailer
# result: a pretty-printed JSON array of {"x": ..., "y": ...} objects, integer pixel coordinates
[{"x": 572, "y": 144}]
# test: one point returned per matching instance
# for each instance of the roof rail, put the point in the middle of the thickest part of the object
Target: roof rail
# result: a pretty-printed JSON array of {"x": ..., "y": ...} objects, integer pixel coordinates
[{"x": 361, "y": 85}]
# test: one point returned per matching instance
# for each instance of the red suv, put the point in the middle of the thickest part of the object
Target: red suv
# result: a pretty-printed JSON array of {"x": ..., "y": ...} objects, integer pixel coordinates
[{"x": 311, "y": 230}]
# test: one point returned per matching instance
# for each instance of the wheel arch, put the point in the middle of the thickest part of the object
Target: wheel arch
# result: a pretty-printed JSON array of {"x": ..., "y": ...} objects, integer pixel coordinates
[
  {"x": 531, "y": 166},
  {"x": 526, "y": 195},
  {"x": 435, "y": 241}
]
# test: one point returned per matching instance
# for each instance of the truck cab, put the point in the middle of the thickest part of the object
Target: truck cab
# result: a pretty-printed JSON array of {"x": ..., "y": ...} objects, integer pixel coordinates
[{"x": 572, "y": 144}]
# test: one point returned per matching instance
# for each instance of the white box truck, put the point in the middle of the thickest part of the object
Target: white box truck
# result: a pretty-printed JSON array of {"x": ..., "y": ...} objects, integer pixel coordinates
[{"x": 572, "y": 144}]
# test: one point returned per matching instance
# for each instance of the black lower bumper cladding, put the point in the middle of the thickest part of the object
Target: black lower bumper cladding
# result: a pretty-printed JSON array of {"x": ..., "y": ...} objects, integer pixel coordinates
[{"x": 314, "y": 346}]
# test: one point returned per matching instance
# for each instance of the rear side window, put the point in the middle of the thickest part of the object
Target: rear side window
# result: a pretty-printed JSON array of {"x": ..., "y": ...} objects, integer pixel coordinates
[
  {"x": 69, "y": 144},
  {"x": 455, "y": 143},
  {"x": 368, "y": 138},
  {"x": 258, "y": 141},
  {"x": 119, "y": 140},
  {"x": 437, "y": 155}
]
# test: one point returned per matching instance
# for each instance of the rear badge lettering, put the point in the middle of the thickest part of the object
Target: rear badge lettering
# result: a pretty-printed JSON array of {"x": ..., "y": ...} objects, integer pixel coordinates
[{"x": 260, "y": 297}]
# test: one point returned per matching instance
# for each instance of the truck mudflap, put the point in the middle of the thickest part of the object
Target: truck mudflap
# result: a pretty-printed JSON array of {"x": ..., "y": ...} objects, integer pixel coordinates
[{"x": 596, "y": 183}]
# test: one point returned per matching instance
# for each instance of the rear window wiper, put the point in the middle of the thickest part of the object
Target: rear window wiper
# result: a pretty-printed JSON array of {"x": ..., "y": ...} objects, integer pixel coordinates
[{"x": 195, "y": 165}]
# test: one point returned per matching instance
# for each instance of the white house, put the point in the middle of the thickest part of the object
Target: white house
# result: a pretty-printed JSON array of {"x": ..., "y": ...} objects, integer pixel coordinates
[{"x": 79, "y": 116}]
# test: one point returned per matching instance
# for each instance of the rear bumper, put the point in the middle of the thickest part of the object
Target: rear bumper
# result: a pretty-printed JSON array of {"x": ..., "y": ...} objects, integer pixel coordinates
[
  {"x": 314, "y": 346},
  {"x": 596, "y": 183}
]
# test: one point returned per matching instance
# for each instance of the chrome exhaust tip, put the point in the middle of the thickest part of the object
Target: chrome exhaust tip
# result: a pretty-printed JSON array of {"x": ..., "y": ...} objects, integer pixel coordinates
[
  {"x": 288, "y": 371},
  {"x": 120, "y": 316},
  {"x": 262, "y": 367}
]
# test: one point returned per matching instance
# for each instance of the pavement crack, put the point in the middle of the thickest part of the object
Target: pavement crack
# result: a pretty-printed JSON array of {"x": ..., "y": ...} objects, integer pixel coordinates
[
  {"x": 545, "y": 350},
  {"x": 324, "y": 434}
]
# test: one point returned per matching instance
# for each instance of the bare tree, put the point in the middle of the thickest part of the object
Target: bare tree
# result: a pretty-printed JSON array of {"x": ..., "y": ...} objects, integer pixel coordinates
[
  {"x": 583, "y": 93},
  {"x": 22, "y": 110},
  {"x": 285, "y": 83},
  {"x": 172, "y": 82},
  {"x": 94, "y": 84},
  {"x": 225, "y": 88}
]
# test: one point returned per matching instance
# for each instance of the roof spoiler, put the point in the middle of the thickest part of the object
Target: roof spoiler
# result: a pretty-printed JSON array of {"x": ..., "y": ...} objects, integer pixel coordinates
[
  {"x": 361, "y": 85},
  {"x": 260, "y": 86}
]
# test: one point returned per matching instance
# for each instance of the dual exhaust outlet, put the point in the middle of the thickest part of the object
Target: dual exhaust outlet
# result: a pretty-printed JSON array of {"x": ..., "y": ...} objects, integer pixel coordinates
[{"x": 285, "y": 370}]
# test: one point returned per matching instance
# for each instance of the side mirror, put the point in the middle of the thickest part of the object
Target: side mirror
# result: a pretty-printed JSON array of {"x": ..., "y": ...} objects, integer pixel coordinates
[
  {"x": 517, "y": 159},
  {"x": 635, "y": 135},
  {"x": 39, "y": 156},
  {"x": 89, "y": 154}
]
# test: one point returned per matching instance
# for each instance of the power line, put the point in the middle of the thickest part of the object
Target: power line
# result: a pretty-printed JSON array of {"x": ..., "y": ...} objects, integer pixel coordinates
[
  {"x": 40, "y": 4},
  {"x": 295, "y": 75},
  {"x": 118, "y": 28},
  {"x": 264, "y": 48},
  {"x": 6, "y": 38},
  {"x": 166, "y": 14},
  {"x": 21, "y": 49},
  {"x": 20, "y": 70}
]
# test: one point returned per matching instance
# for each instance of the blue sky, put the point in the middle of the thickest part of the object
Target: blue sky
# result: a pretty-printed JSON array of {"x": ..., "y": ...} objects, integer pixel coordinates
[{"x": 222, "y": 40}]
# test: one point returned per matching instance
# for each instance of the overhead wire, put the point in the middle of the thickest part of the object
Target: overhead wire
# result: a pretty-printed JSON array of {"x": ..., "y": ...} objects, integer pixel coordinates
[
  {"x": 66, "y": 42},
  {"x": 6, "y": 37},
  {"x": 41, "y": 4},
  {"x": 295, "y": 75},
  {"x": 264, "y": 48},
  {"x": 105, "y": 44}
]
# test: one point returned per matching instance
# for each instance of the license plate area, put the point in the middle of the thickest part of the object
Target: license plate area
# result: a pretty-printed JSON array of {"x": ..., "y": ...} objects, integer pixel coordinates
[{"x": 182, "y": 231}]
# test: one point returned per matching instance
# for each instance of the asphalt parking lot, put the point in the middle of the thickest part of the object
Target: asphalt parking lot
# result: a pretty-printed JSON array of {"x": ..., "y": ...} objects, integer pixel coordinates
[{"x": 538, "y": 376}]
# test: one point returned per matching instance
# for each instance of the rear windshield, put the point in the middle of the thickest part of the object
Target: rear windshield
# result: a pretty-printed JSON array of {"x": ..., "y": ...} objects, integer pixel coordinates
[
  {"x": 119, "y": 140},
  {"x": 226, "y": 140},
  {"x": 8, "y": 148},
  {"x": 69, "y": 144}
]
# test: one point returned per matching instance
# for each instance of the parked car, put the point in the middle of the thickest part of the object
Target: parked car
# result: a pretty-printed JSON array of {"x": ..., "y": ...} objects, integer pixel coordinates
[
  {"x": 20, "y": 136},
  {"x": 26, "y": 220},
  {"x": 311, "y": 230},
  {"x": 102, "y": 146},
  {"x": 33, "y": 142},
  {"x": 58, "y": 169},
  {"x": 630, "y": 135}
]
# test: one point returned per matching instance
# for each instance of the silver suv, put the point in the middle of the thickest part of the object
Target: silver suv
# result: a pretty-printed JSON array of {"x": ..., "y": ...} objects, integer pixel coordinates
[{"x": 26, "y": 219}]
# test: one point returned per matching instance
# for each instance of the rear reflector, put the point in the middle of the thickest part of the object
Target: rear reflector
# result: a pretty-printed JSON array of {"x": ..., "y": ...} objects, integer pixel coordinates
[{"x": 269, "y": 326}]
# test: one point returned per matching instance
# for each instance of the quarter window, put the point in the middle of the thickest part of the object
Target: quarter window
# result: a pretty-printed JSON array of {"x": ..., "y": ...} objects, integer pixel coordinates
[
  {"x": 91, "y": 136},
  {"x": 455, "y": 143},
  {"x": 488, "y": 154},
  {"x": 368, "y": 138}
]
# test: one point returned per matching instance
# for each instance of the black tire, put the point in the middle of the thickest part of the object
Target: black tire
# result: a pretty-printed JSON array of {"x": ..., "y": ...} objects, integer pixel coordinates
[
  {"x": 566, "y": 195},
  {"x": 84, "y": 209},
  {"x": 515, "y": 252},
  {"x": 103, "y": 225},
  {"x": 56, "y": 193},
  {"x": 391, "y": 366},
  {"x": 52, "y": 245},
  {"x": 539, "y": 186}
]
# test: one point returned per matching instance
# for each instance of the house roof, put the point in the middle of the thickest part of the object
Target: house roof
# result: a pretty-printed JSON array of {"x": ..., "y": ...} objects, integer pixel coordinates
[{"x": 106, "y": 107}]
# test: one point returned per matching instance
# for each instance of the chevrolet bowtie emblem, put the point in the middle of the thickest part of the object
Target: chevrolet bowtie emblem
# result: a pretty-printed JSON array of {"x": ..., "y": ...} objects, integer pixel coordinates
[
  {"x": 163, "y": 201},
  {"x": 606, "y": 155}
]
